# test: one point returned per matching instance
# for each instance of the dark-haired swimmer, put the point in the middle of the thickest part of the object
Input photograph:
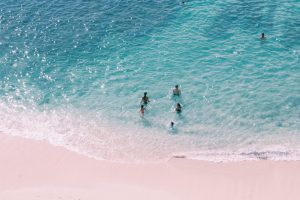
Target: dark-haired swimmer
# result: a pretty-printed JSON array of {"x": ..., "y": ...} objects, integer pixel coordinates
[
  {"x": 178, "y": 108},
  {"x": 172, "y": 128},
  {"x": 145, "y": 100},
  {"x": 172, "y": 125},
  {"x": 262, "y": 36},
  {"x": 176, "y": 91}
]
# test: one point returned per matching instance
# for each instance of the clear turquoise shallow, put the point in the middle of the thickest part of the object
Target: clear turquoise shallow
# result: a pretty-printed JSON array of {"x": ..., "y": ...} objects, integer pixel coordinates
[{"x": 73, "y": 73}]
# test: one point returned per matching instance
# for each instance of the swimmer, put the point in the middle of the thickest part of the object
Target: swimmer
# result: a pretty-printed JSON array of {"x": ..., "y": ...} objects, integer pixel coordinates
[
  {"x": 142, "y": 110},
  {"x": 145, "y": 99},
  {"x": 172, "y": 128},
  {"x": 178, "y": 108},
  {"x": 176, "y": 91},
  {"x": 262, "y": 36},
  {"x": 172, "y": 125}
]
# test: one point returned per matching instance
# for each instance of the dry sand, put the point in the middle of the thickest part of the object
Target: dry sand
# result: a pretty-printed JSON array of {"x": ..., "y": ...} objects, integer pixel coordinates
[{"x": 36, "y": 170}]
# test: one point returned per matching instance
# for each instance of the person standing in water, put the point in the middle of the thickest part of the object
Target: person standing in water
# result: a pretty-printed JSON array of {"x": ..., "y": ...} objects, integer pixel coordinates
[
  {"x": 145, "y": 99},
  {"x": 176, "y": 91},
  {"x": 178, "y": 108}
]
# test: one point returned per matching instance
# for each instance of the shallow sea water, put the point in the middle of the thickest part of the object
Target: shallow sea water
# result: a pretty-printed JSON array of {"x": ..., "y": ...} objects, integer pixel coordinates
[{"x": 73, "y": 73}]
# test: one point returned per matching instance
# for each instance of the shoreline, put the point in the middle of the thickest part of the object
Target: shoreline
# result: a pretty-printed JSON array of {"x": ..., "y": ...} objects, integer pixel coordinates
[{"x": 37, "y": 170}]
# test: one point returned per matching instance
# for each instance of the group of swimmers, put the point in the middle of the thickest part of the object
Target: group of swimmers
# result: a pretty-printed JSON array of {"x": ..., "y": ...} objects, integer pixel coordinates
[{"x": 145, "y": 100}]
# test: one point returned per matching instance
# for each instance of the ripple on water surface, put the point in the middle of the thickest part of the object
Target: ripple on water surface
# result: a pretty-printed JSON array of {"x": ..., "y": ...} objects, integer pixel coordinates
[{"x": 78, "y": 71}]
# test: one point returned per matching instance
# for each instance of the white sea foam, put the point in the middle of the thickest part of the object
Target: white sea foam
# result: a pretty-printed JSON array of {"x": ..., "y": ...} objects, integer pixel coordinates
[{"x": 119, "y": 142}]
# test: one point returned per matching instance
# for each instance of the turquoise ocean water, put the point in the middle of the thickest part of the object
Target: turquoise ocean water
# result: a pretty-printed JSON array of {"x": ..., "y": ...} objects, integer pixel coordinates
[{"x": 73, "y": 73}]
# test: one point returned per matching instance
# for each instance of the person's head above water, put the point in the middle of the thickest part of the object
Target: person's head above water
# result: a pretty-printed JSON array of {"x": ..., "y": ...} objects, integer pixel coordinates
[
  {"x": 145, "y": 93},
  {"x": 142, "y": 106},
  {"x": 178, "y": 108},
  {"x": 262, "y": 36},
  {"x": 172, "y": 124},
  {"x": 176, "y": 90}
]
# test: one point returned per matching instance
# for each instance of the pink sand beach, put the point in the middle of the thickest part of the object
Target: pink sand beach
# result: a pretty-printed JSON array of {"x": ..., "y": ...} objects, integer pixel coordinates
[{"x": 36, "y": 170}]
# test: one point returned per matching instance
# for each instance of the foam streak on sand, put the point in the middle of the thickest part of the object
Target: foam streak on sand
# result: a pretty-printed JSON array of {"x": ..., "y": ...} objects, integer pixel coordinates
[{"x": 36, "y": 170}]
